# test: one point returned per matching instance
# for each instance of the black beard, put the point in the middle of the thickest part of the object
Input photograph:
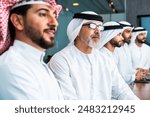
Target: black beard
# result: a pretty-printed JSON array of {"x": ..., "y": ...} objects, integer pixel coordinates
[
  {"x": 128, "y": 42},
  {"x": 37, "y": 38},
  {"x": 140, "y": 41},
  {"x": 114, "y": 43}
]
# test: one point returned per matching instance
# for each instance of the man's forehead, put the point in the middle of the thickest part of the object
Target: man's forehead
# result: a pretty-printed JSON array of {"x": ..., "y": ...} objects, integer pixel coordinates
[
  {"x": 40, "y": 6},
  {"x": 142, "y": 33},
  {"x": 128, "y": 29},
  {"x": 30, "y": 2},
  {"x": 95, "y": 22}
]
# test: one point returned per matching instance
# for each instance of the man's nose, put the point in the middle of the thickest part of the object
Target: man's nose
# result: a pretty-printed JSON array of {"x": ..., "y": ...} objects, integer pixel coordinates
[
  {"x": 121, "y": 37},
  {"x": 53, "y": 21},
  {"x": 97, "y": 31}
]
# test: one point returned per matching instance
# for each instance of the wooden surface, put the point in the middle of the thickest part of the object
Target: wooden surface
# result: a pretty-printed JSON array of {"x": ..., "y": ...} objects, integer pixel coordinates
[{"x": 142, "y": 90}]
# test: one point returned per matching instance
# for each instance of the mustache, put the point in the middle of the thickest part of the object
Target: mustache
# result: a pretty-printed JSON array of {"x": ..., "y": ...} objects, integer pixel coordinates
[
  {"x": 52, "y": 27},
  {"x": 144, "y": 38},
  {"x": 97, "y": 35}
]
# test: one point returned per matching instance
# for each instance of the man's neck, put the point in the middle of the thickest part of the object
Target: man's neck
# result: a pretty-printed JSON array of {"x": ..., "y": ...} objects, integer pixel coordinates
[
  {"x": 82, "y": 46},
  {"x": 109, "y": 47},
  {"x": 138, "y": 44},
  {"x": 29, "y": 42}
]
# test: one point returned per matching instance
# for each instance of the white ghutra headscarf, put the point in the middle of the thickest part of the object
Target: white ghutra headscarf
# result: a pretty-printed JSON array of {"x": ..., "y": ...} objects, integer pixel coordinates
[
  {"x": 126, "y": 25},
  {"x": 137, "y": 31},
  {"x": 78, "y": 20},
  {"x": 111, "y": 29}
]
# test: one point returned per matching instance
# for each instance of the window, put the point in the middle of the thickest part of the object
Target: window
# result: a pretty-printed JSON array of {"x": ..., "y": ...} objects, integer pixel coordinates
[{"x": 144, "y": 21}]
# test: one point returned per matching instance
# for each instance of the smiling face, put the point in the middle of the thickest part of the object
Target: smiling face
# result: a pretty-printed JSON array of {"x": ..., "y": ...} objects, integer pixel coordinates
[{"x": 40, "y": 25}]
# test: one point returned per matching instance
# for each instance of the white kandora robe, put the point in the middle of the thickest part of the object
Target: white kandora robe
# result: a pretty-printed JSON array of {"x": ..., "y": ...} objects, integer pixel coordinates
[
  {"x": 108, "y": 53},
  {"x": 140, "y": 56},
  {"x": 124, "y": 63},
  {"x": 24, "y": 75},
  {"x": 88, "y": 76}
]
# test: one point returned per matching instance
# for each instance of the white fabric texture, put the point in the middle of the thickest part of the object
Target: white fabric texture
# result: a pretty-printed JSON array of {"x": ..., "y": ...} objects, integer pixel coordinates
[
  {"x": 140, "y": 56},
  {"x": 75, "y": 25},
  {"x": 123, "y": 57},
  {"x": 108, "y": 53},
  {"x": 128, "y": 25},
  {"x": 29, "y": 3},
  {"x": 124, "y": 63},
  {"x": 88, "y": 76},
  {"x": 109, "y": 34},
  {"x": 24, "y": 75}
]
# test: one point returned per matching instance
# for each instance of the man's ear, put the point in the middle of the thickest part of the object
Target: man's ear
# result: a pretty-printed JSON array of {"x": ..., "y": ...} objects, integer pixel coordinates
[{"x": 17, "y": 21}]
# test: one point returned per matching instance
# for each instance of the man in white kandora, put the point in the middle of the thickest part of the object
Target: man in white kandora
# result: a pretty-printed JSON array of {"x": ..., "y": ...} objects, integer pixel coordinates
[
  {"x": 82, "y": 71},
  {"x": 23, "y": 73},
  {"x": 123, "y": 55},
  {"x": 111, "y": 38},
  {"x": 140, "y": 51}
]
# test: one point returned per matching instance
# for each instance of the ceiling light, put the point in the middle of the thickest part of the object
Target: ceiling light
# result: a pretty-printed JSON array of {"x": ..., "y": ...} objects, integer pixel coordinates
[
  {"x": 67, "y": 9},
  {"x": 75, "y": 4},
  {"x": 114, "y": 10},
  {"x": 111, "y": 3}
]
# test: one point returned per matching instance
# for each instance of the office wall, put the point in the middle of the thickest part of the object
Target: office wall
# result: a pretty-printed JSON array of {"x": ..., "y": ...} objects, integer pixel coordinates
[
  {"x": 139, "y": 8},
  {"x": 114, "y": 17},
  {"x": 135, "y": 8}
]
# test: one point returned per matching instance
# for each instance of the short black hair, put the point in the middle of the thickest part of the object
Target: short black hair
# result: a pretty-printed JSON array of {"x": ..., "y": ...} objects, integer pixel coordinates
[{"x": 22, "y": 10}]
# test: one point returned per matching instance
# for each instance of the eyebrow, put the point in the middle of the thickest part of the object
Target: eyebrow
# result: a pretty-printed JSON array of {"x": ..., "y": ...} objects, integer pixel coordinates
[
  {"x": 93, "y": 23},
  {"x": 44, "y": 9}
]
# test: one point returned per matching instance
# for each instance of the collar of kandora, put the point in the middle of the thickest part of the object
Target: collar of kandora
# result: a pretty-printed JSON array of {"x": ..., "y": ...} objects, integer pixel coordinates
[
  {"x": 88, "y": 16},
  {"x": 30, "y": 2},
  {"x": 137, "y": 30},
  {"x": 113, "y": 27}
]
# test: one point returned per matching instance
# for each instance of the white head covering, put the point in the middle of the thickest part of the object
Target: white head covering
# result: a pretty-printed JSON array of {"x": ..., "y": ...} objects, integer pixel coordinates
[
  {"x": 75, "y": 25},
  {"x": 137, "y": 31},
  {"x": 29, "y": 3},
  {"x": 126, "y": 25},
  {"x": 108, "y": 34}
]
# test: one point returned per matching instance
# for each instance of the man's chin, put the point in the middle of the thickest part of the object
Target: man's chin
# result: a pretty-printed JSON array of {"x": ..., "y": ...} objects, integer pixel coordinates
[
  {"x": 47, "y": 45},
  {"x": 51, "y": 45},
  {"x": 95, "y": 45}
]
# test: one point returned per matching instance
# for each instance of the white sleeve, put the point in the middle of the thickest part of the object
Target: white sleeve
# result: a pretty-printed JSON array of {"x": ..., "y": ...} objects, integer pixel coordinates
[
  {"x": 120, "y": 89},
  {"x": 60, "y": 67},
  {"x": 18, "y": 84},
  {"x": 116, "y": 56}
]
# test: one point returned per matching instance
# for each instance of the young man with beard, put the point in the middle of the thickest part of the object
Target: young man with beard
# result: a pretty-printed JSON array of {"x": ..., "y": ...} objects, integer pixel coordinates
[
  {"x": 123, "y": 55},
  {"x": 140, "y": 51},
  {"x": 82, "y": 71},
  {"x": 111, "y": 38},
  {"x": 32, "y": 27}
]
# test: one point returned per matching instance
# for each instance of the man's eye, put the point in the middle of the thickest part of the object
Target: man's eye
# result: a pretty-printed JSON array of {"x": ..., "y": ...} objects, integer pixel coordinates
[
  {"x": 128, "y": 31},
  {"x": 42, "y": 14}
]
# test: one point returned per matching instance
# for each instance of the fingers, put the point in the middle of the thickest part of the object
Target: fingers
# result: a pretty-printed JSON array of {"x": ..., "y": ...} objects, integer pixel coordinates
[{"x": 141, "y": 74}]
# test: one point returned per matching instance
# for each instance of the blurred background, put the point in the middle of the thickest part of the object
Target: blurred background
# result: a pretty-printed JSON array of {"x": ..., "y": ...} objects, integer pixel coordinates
[{"x": 137, "y": 12}]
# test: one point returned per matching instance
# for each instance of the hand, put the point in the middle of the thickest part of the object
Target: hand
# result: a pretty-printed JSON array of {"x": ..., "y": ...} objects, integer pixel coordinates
[{"x": 140, "y": 74}]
